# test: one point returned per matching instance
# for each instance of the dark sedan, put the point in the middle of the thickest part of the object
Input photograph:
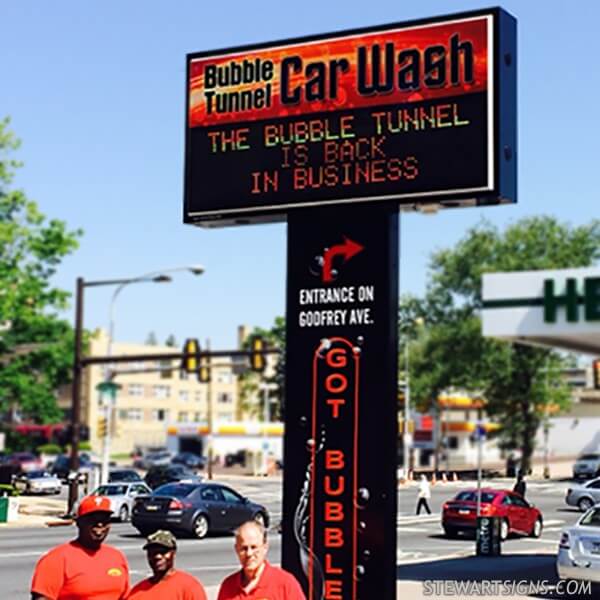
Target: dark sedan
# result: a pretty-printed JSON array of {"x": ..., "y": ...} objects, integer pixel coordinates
[
  {"x": 189, "y": 459},
  {"x": 195, "y": 508},
  {"x": 162, "y": 474}
]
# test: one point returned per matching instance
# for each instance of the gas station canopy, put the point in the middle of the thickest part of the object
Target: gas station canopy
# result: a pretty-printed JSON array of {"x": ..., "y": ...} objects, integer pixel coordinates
[{"x": 556, "y": 308}]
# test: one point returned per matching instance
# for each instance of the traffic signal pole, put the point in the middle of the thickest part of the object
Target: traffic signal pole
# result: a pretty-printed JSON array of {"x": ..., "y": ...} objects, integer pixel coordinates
[{"x": 76, "y": 395}]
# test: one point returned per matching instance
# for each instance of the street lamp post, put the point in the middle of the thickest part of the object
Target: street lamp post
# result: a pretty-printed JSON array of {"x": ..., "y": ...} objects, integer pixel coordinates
[
  {"x": 266, "y": 388},
  {"x": 80, "y": 285}
]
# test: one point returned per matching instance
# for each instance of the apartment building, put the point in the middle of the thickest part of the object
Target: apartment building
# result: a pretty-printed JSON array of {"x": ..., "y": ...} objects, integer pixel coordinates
[{"x": 153, "y": 395}]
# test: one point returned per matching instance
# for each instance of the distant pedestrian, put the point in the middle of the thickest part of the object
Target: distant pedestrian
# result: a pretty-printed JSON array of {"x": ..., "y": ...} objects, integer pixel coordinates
[
  {"x": 520, "y": 487},
  {"x": 257, "y": 579},
  {"x": 165, "y": 582},
  {"x": 85, "y": 568},
  {"x": 423, "y": 495}
]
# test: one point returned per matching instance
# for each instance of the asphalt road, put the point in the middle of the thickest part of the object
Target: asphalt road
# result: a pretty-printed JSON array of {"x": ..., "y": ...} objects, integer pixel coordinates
[{"x": 423, "y": 552}]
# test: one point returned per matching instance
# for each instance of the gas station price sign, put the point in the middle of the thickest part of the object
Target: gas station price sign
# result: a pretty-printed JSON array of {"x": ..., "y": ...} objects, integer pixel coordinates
[{"x": 411, "y": 113}]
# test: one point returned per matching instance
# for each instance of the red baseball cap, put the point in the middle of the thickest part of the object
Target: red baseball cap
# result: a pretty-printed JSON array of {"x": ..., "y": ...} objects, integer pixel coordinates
[{"x": 92, "y": 504}]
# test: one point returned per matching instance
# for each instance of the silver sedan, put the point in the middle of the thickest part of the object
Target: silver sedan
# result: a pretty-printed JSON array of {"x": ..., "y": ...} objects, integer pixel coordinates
[
  {"x": 584, "y": 495},
  {"x": 579, "y": 549},
  {"x": 121, "y": 496}
]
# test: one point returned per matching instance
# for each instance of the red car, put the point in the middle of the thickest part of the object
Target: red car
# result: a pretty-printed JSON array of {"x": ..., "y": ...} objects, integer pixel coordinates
[
  {"x": 25, "y": 461},
  {"x": 518, "y": 516}
]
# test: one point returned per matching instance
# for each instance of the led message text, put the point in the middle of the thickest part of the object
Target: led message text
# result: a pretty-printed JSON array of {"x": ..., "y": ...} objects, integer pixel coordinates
[{"x": 399, "y": 112}]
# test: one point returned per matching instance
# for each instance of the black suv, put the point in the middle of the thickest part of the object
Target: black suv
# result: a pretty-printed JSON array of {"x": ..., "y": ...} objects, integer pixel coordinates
[{"x": 169, "y": 474}]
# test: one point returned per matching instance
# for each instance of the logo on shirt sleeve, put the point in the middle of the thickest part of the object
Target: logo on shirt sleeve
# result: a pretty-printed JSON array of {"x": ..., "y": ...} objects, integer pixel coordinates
[{"x": 114, "y": 572}]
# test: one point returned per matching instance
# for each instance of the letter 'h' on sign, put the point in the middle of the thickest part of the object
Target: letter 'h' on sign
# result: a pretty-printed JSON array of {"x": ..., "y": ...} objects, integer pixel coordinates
[{"x": 571, "y": 300}]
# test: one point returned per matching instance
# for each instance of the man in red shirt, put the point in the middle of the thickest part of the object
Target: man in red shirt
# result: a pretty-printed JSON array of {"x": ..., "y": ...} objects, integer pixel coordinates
[
  {"x": 85, "y": 568},
  {"x": 165, "y": 582},
  {"x": 257, "y": 579}
]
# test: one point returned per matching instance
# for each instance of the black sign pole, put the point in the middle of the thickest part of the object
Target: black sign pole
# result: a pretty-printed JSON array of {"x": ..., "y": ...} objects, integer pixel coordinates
[{"x": 339, "y": 528}]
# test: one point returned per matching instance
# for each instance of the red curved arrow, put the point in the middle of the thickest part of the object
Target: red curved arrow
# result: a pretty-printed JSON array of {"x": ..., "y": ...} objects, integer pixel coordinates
[{"x": 348, "y": 249}]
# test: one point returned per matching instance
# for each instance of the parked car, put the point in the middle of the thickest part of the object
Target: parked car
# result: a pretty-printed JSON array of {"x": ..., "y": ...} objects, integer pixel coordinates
[
  {"x": 236, "y": 458},
  {"x": 154, "y": 459},
  {"x": 122, "y": 496},
  {"x": 584, "y": 495},
  {"x": 196, "y": 509},
  {"x": 587, "y": 465},
  {"x": 189, "y": 459},
  {"x": 160, "y": 475},
  {"x": 125, "y": 475},
  {"x": 61, "y": 466},
  {"x": 25, "y": 461},
  {"x": 518, "y": 516},
  {"x": 579, "y": 548},
  {"x": 37, "y": 482},
  {"x": 140, "y": 452}
]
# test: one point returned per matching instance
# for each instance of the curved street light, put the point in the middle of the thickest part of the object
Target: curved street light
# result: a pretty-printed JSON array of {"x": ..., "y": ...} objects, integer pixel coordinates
[{"x": 153, "y": 277}]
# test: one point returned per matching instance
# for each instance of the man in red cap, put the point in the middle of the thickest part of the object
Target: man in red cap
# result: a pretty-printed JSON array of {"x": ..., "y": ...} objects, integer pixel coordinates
[{"x": 85, "y": 568}]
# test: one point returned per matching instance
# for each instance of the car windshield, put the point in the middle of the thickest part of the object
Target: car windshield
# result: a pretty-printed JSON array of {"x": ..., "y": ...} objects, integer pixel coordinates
[
  {"x": 486, "y": 497},
  {"x": 589, "y": 457},
  {"x": 38, "y": 474},
  {"x": 178, "y": 490},
  {"x": 111, "y": 490},
  {"x": 591, "y": 519}
]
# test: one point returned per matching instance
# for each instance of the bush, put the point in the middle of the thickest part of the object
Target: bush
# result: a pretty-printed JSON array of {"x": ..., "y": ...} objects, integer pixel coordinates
[
  {"x": 85, "y": 446},
  {"x": 49, "y": 449},
  {"x": 8, "y": 490}
]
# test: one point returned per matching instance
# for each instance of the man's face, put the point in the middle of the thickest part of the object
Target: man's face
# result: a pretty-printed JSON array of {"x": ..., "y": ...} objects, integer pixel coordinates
[
  {"x": 251, "y": 549},
  {"x": 160, "y": 559},
  {"x": 93, "y": 528}
]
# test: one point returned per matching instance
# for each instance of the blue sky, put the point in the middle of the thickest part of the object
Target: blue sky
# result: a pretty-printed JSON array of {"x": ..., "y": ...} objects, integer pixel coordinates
[{"x": 96, "y": 92}]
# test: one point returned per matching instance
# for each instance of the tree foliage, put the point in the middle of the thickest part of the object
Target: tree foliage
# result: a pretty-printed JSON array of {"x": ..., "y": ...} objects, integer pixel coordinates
[
  {"x": 35, "y": 344},
  {"x": 251, "y": 399},
  {"x": 522, "y": 384}
]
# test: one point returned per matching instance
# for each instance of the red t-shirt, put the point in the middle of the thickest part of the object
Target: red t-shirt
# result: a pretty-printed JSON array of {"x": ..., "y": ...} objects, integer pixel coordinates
[
  {"x": 176, "y": 586},
  {"x": 274, "y": 584},
  {"x": 72, "y": 572}
]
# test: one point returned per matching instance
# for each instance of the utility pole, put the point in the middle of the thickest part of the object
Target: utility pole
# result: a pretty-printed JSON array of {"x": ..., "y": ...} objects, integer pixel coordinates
[
  {"x": 76, "y": 395},
  {"x": 210, "y": 408}
]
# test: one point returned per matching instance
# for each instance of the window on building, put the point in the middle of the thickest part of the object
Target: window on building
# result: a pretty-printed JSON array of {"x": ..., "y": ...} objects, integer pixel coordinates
[
  {"x": 224, "y": 377},
  {"x": 225, "y": 417},
  {"x": 224, "y": 397},
  {"x": 183, "y": 375},
  {"x": 135, "y": 389},
  {"x": 198, "y": 416},
  {"x": 131, "y": 414},
  {"x": 199, "y": 396},
  {"x": 183, "y": 417},
  {"x": 160, "y": 414},
  {"x": 166, "y": 369},
  {"x": 452, "y": 442},
  {"x": 161, "y": 391},
  {"x": 184, "y": 395}
]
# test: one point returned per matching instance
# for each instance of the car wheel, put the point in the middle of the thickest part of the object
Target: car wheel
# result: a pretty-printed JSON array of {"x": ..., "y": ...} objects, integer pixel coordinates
[
  {"x": 585, "y": 504},
  {"x": 261, "y": 519},
  {"x": 451, "y": 532},
  {"x": 123, "y": 514},
  {"x": 504, "y": 528},
  {"x": 200, "y": 526},
  {"x": 536, "y": 530}
]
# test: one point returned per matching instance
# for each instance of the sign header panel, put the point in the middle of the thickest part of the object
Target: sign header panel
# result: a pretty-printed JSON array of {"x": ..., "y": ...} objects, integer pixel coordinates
[{"x": 408, "y": 112}]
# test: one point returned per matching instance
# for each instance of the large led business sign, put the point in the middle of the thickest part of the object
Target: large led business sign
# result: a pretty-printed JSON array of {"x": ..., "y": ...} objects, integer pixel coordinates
[{"x": 412, "y": 113}]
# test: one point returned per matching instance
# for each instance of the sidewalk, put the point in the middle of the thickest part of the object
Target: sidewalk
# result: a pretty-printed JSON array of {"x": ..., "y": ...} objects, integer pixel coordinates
[{"x": 36, "y": 511}]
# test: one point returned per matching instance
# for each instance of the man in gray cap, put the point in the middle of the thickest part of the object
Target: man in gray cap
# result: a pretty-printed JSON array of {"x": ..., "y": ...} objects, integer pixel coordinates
[{"x": 166, "y": 581}]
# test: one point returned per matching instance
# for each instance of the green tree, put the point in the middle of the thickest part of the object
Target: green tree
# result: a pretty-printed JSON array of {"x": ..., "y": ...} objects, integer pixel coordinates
[
  {"x": 171, "y": 341},
  {"x": 251, "y": 399},
  {"x": 151, "y": 339},
  {"x": 35, "y": 344},
  {"x": 522, "y": 384}
]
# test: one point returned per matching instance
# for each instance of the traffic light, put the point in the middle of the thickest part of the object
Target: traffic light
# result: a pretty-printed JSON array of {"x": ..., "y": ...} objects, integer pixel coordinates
[
  {"x": 258, "y": 361},
  {"x": 204, "y": 370},
  {"x": 596, "y": 372},
  {"x": 102, "y": 428},
  {"x": 191, "y": 362}
]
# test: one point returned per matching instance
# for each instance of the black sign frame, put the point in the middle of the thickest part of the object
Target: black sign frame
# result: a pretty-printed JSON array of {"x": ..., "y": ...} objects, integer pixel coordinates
[{"x": 504, "y": 125}]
